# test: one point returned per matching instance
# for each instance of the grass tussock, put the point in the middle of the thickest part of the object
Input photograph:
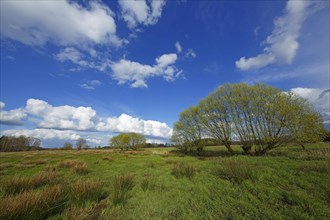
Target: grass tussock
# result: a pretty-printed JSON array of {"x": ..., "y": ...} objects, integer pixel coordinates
[
  {"x": 33, "y": 204},
  {"x": 183, "y": 169},
  {"x": 82, "y": 191},
  {"x": 107, "y": 158},
  {"x": 77, "y": 166},
  {"x": 5, "y": 166},
  {"x": 148, "y": 182},
  {"x": 315, "y": 154},
  {"x": 234, "y": 170},
  {"x": 121, "y": 186},
  {"x": 314, "y": 166},
  {"x": 18, "y": 184}
]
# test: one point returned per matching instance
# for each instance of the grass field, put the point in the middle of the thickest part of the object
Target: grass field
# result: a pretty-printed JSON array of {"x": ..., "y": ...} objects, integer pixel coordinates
[{"x": 287, "y": 183}]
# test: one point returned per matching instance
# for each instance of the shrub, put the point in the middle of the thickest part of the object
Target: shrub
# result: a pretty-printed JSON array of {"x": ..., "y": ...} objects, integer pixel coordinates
[
  {"x": 235, "y": 171},
  {"x": 121, "y": 187},
  {"x": 33, "y": 205},
  {"x": 183, "y": 169}
]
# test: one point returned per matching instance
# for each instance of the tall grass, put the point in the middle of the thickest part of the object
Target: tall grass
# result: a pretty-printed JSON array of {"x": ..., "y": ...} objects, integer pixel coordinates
[
  {"x": 183, "y": 169},
  {"x": 77, "y": 166},
  {"x": 33, "y": 204},
  {"x": 18, "y": 184},
  {"x": 121, "y": 186},
  {"x": 83, "y": 191},
  {"x": 234, "y": 170},
  {"x": 148, "y": 182}
]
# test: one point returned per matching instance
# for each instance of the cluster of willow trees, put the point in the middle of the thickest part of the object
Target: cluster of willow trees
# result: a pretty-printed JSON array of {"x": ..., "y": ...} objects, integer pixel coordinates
[
  {"x": 259, "y": 117},
  {"x": 21, "y": 143}
]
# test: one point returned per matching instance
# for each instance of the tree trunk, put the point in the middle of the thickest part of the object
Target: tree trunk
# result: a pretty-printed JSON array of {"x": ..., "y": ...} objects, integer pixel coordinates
[{"x": 231, "y": 151}]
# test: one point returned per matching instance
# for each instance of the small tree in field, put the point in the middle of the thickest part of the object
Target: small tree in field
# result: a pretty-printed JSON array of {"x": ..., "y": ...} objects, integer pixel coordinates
[
  {"x": 126, "y": 141},
  {"x": 81, "y": 142},
  {"x": 67, "y": 146}
]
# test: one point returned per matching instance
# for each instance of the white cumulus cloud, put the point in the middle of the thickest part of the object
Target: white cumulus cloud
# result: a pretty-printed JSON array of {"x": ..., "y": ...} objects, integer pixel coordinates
[
  {"x": 282, "y": 44},
  {"x": 141, "y": 12},
  {"x": 127, "y": 123},
  {"x": 12, "y": 117},
  {"x": 49, "y": 118},
  {"x": 62, "y": 117},
  {"x": 60, "y": 22},
  {"x": 136, "y": 74},
  {"x": 319, "y": 98},
  {"x": 45, "y": 134}
]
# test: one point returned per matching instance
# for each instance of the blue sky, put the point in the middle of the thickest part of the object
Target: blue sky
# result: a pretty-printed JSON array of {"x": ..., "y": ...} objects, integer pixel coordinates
[{"x": 92, "y": 69}]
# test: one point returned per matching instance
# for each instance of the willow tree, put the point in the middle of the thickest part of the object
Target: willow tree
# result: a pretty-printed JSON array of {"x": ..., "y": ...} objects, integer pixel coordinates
[
  {"x": 126, "y": 141},
  {"x": 260, "y": 117},
  {"x": 215, "y": 117},
  {"x": 187, "y": 132},
  {"x": 304, "y": 124}
]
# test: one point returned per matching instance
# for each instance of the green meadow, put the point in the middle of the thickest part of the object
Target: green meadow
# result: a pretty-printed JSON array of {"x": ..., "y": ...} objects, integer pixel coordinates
[{"x": 160, "y": 183}]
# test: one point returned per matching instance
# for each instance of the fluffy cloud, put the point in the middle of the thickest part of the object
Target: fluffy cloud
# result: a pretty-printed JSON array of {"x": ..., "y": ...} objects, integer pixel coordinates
[
  {"x": 127, "y": 123},
  {"x": 12, "y": 117},
  {"x": 320, "y": 99},
  {"x": 73, "y": 55},
  {"x": 126, "y": 71},
  {"x": 60, "y": 22},
  {"x": 141, "y": 12},
  {"x": 282, "y": 44},
  {"x": 72, "y": 119},
  {"x": 62, "y": 117},
  {"x": 45, "y": 134}
]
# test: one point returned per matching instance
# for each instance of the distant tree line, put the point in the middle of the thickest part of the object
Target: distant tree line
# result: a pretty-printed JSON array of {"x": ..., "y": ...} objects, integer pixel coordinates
[
  {"x": 21, "y": 143},
  {"x": 259, "y": 117}
]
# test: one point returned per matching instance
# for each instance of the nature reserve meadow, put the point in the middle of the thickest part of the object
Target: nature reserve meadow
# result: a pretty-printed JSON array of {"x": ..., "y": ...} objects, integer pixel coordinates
[{"x": 162, "y": 183}]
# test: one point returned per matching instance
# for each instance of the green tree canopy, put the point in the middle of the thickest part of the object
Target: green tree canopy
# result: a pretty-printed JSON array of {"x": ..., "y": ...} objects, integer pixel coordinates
[
  {"x": 126, "y": 141},
  {"x": 260, "y": 117}
]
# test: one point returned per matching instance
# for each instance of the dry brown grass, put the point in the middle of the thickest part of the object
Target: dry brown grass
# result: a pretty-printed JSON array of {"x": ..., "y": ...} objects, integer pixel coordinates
[
  {"x": 315, "y": 153},
  {"x": 18, "y": 184},
  {"x": 121, "y": 187},
  {"x": 107, "y": 158},
  {"x": 77, "y": 166},
  {"x": 5, "y": 166},
  {"x": 85, "y": 190},
  {"x": 33, "y": 204}
]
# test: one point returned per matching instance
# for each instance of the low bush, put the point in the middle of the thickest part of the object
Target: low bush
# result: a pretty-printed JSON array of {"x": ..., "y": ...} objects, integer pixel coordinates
[
  {"x": 121, "y": 187},
  {"x": 183, "y": 169}
]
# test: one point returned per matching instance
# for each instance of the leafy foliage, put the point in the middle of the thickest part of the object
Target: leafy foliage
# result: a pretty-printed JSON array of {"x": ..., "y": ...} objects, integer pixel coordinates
[
  {"x": 260, "y": 117},
  {"x": 126, "y": 141}
]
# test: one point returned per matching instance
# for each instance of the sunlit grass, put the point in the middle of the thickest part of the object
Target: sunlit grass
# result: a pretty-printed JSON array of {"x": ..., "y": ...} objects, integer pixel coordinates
[{"x": 287, "y": 183}]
